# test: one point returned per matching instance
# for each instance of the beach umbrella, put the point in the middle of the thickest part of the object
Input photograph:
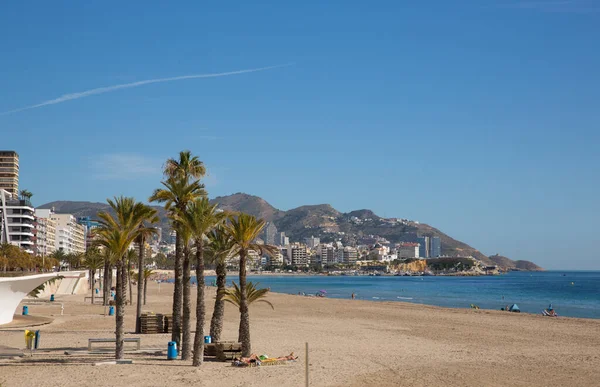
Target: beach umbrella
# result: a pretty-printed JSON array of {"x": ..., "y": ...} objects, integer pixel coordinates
[{"x": 322, "y": 291}]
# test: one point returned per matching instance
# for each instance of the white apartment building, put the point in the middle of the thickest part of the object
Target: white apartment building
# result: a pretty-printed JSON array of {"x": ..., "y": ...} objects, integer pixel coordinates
[
  {"x": 45, "y": 243},
  {"x": 350, "y": 255},
  {"x": 70, "y": 235},
  {"x": 297, "y": 255},
  {"x": 327, "y": 254},
  {"x": 276, "y": 259},
  {"x": 17, "y": 225}
]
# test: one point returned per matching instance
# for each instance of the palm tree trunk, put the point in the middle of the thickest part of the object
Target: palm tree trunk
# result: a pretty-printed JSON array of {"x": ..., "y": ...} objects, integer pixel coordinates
[
  {"x": 186, "y": 344},
  {"x": 200, "y": 306},
  {"x": 177, "y": 294},
  {"x": 145, "y": 288},
  {"x": 244, "y": 332},
  {"x": 140, "y": 287},
  {"x": 216, "y": 323},
  {"x": 123, "y": 275},
  {"x": 129, "y": 282},
  {"x": 107, "y": 279},
  {"x": 120, "y": 315},
  {"x": 93, "y": 276}
]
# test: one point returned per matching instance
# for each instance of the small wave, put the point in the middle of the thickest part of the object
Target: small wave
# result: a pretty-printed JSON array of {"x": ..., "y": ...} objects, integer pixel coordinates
[
  {"x": 405, "y": 298},
  {"x": 376, "y": 298}
]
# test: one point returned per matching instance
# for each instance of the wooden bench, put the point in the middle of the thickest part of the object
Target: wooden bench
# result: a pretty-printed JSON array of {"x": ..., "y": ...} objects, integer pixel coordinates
[
  {"x": 126, "y": 340},
  {"x": 225, "y": 350}
]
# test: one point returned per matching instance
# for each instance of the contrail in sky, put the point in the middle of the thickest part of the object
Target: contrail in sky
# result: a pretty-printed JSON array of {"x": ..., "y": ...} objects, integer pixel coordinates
[{"x": 108, "y": 89}]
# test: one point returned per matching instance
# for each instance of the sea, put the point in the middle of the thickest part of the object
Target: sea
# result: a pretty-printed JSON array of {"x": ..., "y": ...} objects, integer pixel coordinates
[{"x": 571, "y": 293}]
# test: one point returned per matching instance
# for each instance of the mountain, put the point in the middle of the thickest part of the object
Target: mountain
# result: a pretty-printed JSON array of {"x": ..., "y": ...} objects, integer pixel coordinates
[
  {"x": 324, "y": 221},
  {"x": 249, "y": 204},
  {"x": 507, "y": 263}
]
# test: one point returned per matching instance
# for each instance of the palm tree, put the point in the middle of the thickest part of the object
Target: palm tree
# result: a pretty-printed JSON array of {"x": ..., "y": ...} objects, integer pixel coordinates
[
  {"x": 145, "y": 231},
  {"x": 219, "y": 249},
  {"x": 243, "y": 230},
  {"x": 200, "y": 218},
  {"x": 25, "y": 194},
  {"x": 116, "y": 234},
  {"x": 60, "y": 256},
  {"x": 178, "y": 190},
  {"x": 7, "y": 253},
  {"x": 93, "y": 262},
  {"x": 253, "y": 294}
]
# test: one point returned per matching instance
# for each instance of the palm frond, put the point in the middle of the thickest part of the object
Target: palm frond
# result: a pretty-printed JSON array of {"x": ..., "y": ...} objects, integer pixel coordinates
[{"x": 253, "y": 294}]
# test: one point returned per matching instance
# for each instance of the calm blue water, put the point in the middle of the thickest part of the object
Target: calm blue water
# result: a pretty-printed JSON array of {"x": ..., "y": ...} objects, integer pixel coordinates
[{"x": 531, "y": 291}]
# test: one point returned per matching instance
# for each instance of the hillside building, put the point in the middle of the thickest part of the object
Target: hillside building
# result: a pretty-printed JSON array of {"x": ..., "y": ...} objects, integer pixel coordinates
[{"x": 408, "y": 250}]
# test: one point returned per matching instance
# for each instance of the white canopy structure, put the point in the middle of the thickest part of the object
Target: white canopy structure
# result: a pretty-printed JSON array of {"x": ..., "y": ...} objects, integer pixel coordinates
[{"x": 14, "y": 289}]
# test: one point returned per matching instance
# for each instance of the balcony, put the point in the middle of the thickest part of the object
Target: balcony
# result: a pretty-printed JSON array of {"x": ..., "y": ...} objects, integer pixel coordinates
[
  {"x": 19, "y": 203},
  {"x": 13, "y": 223},
  {"x": 22, "y": 233}
]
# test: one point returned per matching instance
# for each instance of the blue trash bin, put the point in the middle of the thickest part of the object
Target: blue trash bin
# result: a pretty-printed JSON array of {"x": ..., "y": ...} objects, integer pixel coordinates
[
  {"x": 207, "y": 339},
  {"x": 25, "y": 310},
  {"x": 52, "y": 297},
  {"x": 97, "y": 290},
  {"x": 36, "y": 343},
  {"x": 172, "y": 351},
  {"x": 111, "y": 310}
]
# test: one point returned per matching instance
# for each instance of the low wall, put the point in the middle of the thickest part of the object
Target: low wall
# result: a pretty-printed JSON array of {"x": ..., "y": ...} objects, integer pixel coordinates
[{"x": 74, "y": 282}]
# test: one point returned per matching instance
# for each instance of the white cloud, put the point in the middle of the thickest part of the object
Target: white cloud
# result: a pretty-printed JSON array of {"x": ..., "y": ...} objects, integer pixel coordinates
[{"x": 119, "y": 166}]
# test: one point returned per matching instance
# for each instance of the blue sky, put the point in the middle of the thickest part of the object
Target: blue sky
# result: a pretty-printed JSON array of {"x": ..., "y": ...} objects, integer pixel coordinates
[{"x": 478, "y": 117}]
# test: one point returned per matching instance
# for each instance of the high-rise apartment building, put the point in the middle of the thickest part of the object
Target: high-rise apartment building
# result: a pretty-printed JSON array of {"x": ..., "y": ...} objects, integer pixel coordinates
[
  {"x": 423, "y": 246},
  {"x": 435, "y": 248},
  {"x": 45, "y": 241},
  {"x": 270, "y": 233},
  {"x": 9, "y": 172},
  {"x": 281, "y": 239},
  {"x": 312, "y": 242},
  {"x": 17, "y": 221},
  {"x": 70, "y": 235}
]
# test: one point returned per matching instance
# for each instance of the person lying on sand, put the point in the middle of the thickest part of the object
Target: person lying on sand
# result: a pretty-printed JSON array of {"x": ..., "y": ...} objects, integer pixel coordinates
[{"x": 254, "y": 358}]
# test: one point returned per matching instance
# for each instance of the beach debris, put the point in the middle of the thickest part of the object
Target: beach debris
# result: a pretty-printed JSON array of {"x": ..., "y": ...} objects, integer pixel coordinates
[{"x": 114, "y": 362}]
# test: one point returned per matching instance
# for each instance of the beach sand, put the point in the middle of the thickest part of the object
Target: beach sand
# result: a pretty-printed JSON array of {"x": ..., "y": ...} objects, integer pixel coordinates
[{"x": 352, "y": 343}]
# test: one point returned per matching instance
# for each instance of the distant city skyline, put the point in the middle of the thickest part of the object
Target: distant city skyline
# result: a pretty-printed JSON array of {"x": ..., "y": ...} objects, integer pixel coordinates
[{"x": 433, "y": 111}]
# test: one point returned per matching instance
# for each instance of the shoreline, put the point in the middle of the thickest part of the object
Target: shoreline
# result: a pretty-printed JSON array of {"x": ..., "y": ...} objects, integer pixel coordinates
[{"x": 414, "y": 291}]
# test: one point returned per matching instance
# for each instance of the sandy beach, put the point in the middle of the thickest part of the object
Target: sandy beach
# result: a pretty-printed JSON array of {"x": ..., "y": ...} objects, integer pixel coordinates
[{"x": 352, "y": 343}]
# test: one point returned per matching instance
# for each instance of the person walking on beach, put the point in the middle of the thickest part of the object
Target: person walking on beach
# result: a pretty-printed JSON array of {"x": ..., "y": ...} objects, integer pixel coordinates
[{"x": 353, "y": 295}]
